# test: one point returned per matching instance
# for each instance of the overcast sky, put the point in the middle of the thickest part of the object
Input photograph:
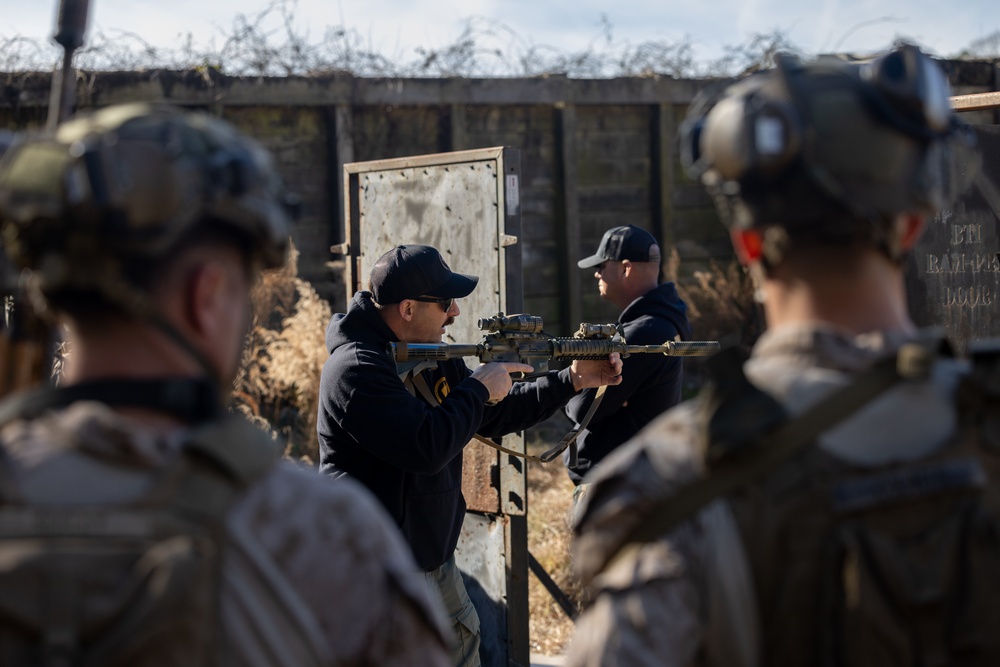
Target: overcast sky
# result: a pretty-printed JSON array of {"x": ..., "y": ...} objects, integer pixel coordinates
[{"x": 397, "y": 27}]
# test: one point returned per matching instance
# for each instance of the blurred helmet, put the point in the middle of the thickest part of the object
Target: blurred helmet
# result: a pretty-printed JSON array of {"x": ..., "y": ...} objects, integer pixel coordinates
[
  {"x": 7, "y": 274},
  {"x": 7, "y": 139},
  {"x": 124, "y": 185},
  {"x": 830, "y": 150}
]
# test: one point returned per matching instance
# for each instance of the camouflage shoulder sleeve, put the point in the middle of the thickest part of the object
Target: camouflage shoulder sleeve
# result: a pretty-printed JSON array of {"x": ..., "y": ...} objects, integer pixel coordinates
[
  {"x": 340, "y": 568},
  {"x": 652, "y": 587},
  {"x": 649, "y": 626},
  {"x": 684, "y": 599},
  {"x": 630, "y": 481}
]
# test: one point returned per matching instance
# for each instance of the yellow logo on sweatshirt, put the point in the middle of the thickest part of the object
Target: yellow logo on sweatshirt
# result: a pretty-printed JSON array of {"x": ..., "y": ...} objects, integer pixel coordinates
[{"x": 441, "y": 389}]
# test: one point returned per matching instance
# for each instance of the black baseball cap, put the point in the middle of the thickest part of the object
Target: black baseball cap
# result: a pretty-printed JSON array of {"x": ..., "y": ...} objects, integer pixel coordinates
[
  {"x": 628, "y": 242},
  {"x": 411, "y": 271}
]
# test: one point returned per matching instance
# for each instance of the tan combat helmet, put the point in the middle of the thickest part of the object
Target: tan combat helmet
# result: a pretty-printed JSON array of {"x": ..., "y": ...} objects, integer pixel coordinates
[
  {"x": 830, "y": 151},
  {"x": 126, "y": 183}
]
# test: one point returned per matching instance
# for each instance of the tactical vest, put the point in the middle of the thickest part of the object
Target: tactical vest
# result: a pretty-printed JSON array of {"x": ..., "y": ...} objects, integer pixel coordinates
[
  {"x": 134, "y": 584},
  {"x": 891, "y": 566}
]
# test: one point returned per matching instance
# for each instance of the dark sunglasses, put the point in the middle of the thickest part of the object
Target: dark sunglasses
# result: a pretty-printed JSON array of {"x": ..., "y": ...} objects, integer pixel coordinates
[{"x": 444, "y": 303}]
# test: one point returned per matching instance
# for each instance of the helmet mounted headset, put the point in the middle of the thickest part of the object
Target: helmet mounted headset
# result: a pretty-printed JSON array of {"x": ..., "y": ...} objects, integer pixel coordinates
[{"x": 830, "y": 151}]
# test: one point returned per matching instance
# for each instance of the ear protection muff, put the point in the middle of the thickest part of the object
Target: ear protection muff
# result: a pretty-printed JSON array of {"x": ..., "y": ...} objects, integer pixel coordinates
[
  {"x": 750, "y": 135},
  {"x": 746, "y": 133},
  {"x": 877, "y": 139}
]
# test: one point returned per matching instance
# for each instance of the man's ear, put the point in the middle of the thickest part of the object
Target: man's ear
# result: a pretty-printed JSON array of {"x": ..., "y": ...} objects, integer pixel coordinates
[
  {"x": 909, "y": 227},
  {"x": 406, "y": 309},
  {"x": 747, "y": 244},
  {"x": 205, "y": 290}
]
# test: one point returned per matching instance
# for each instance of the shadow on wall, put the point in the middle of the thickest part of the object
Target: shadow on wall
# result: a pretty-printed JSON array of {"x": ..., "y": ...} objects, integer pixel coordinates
[{"x": 492, "y": 623}]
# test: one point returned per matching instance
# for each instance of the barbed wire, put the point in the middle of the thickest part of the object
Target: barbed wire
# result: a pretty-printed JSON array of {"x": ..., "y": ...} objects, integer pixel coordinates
[{"x": 269, "y": 44}]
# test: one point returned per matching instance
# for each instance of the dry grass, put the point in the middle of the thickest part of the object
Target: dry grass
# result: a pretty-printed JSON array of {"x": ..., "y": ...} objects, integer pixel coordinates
[
  {"x": 283, "y": 359},
  {"x": 720, "y": 302},
  {"x": 721, "y": 307},
  {"x": 549, "y": 499}
]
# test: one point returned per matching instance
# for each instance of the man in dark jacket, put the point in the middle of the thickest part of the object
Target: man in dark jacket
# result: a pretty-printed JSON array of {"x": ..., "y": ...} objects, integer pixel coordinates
[
  {"x": 627, "y": 268},
  {"x": 376, "y": 426}
]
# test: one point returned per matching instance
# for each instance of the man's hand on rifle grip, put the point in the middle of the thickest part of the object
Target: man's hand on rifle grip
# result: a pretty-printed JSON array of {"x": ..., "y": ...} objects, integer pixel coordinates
[{"x": 495, "y": 376}]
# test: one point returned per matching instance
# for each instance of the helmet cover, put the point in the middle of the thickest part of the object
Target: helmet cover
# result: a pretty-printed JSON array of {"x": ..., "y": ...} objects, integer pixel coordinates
[{"x": 126, "y": 184}]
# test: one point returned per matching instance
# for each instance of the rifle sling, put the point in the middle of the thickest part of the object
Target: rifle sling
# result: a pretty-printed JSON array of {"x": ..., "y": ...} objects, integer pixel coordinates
[
  {"x": 569, "y": 440},
  {"x": 506, "y": 450},
  {"x": 771, "y": 450}
]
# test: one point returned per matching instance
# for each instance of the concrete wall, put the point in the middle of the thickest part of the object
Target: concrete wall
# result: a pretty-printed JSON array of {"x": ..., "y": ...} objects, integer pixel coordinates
[{"x": 594, "y": 154}]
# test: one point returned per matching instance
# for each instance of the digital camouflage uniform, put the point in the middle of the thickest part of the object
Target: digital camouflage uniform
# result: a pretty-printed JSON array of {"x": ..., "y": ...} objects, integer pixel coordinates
[
  {"x": 287, "y": 597},
  {"x": 689, "y": 598},
  {"x": 143, "y": 544},
  {"x": 834, "y": 503}
]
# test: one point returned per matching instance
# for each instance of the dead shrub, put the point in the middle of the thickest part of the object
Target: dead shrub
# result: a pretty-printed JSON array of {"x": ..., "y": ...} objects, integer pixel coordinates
[
  {"x": 283, "y": 358},
  {"x": 550, "y": 494},
  {"x": 721, "y": 307},
  {"x": 720, "y": 301}
]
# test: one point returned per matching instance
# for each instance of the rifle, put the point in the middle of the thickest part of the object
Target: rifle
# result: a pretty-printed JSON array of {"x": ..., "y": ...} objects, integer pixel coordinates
[
  {"x": 520, "y": 338},
  {"x": 26, "y": 342}
]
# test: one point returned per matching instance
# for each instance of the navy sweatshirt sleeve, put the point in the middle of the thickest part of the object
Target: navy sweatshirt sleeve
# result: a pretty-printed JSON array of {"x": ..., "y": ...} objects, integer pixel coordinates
[
  {"x": 385, "y": 420},
  {"x": 528, "y": 403}
]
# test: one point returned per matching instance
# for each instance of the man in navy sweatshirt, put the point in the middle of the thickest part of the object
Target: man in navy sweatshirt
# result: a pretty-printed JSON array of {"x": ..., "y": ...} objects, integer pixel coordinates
[
  {"x": 376, "y": 426},
  {"x": 627, "y": 268}
]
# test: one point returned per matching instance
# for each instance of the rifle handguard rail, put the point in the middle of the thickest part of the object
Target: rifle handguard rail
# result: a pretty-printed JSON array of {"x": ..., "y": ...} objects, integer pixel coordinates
[
  {"x": 520, "y": 338},
  {"x": 524, "y": 340}
]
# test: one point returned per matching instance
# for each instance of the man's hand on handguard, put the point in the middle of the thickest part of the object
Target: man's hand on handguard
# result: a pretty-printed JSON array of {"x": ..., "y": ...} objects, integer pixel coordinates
[
  {"x": 587, "y": 374},
  {"x": 495, "y": 376}
]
